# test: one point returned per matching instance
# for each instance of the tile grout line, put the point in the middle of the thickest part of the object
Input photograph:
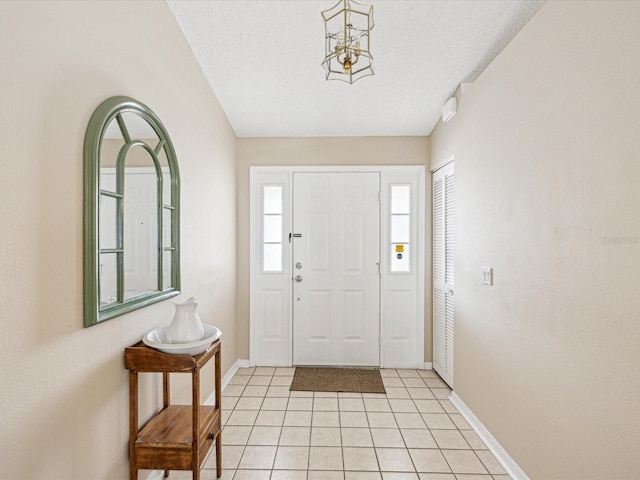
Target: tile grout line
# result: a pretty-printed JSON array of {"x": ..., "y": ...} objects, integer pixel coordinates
[{"x": 366, "y": 412}]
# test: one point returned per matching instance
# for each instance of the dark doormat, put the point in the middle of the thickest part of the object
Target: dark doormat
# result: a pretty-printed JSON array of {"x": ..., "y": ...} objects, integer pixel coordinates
[{"x": 357, "y": 380}]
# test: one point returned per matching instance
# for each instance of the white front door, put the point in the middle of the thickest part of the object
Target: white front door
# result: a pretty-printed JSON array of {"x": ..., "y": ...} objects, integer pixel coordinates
[{"x": 336, "y": 276}]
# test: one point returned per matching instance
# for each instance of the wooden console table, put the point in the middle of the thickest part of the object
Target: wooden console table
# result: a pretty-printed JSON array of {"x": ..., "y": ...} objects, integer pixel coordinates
[{"x": 178, "y": 437}]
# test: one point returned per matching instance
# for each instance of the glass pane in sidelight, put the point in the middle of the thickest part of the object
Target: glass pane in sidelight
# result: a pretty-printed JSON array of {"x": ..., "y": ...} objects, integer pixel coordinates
[
  {"x": 272, "y": 195},
  {"x": 272, "y": 257},
  {"x": 273, "y": 228},
  {"x": 400, "y": 258},
  {"x": 400, "y": 229},
  {"x": 400, "y": 198}
]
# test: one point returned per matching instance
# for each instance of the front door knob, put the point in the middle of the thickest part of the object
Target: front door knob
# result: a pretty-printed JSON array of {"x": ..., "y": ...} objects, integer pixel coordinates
[{"x": 298, "y": 278}]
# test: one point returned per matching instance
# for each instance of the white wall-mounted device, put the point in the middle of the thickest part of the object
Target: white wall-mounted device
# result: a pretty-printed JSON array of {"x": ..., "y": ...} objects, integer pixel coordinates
[
  {"x": 486, "y": 276},
  {"x": 449, "y": 109}
]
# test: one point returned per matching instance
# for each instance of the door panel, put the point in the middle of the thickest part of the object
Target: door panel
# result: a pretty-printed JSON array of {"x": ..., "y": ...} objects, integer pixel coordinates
[
  {"x": 336, "y": 302},
  {"x": 273, "y": 306}
]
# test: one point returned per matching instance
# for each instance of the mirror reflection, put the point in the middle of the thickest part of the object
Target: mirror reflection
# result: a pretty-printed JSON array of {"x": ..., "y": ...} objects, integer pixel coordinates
[
  {"x": 130, "y": 170},
  {"x": 140, "y": 236}
]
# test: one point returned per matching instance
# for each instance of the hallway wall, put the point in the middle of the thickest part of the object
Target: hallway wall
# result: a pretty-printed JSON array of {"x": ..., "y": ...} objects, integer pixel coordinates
[
  {"x": 64, "y": 388},
  {"x": 546, "y": 147}
]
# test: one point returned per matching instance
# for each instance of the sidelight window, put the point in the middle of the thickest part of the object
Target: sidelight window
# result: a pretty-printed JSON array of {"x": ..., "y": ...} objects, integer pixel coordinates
[
  {"x": 272, "y": 228},
  {"x": 400, "y": 235}
]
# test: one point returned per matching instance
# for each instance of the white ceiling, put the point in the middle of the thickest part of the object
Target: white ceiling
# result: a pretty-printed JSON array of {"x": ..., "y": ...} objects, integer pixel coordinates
[{"x": 263, "y": 60}]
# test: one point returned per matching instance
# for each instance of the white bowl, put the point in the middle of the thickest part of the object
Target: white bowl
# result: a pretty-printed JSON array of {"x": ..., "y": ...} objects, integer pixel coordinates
[{"x": 158, "y": 339}]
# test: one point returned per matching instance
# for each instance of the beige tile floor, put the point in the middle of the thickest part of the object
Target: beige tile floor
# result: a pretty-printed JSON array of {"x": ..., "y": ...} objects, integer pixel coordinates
[{"x": 411, "y": 433}]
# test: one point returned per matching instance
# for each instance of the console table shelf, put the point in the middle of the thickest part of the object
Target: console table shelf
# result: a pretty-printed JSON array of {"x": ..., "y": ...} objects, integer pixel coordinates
[{"x": 178, "y": 437}]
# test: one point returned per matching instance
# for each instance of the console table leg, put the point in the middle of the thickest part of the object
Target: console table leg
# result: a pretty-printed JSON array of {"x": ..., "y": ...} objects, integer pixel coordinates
[
  {"x": 219, "y": 455},
  {"x": 133, "y": 424},
  {"x": 218, "y": 387}
]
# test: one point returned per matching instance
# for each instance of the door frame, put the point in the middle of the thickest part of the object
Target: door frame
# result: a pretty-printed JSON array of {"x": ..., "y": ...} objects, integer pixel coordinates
[{"x": 397, "y": 349}]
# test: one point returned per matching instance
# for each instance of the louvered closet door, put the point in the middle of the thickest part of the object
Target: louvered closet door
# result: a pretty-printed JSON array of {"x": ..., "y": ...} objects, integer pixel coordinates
[{"x": 443, "y": 271}]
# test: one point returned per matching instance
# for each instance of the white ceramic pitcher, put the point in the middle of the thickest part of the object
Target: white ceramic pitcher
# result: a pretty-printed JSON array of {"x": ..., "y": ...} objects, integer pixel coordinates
[{"x": 186, "y": 325}]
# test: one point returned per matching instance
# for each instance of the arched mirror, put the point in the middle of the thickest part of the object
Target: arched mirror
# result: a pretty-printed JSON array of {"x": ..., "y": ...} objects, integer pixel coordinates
[{"x": 131, "y": 211}]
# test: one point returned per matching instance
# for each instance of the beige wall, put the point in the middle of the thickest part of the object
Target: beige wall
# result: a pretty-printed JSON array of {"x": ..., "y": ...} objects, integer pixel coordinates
[
  {"x": 64, "y": 388},
  {"x": 548, "y": 187},
  {"x": 320, "y": 151}
]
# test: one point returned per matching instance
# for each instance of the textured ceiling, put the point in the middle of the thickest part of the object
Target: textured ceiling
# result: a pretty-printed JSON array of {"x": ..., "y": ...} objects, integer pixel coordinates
[{"x": 263, "y": 60}]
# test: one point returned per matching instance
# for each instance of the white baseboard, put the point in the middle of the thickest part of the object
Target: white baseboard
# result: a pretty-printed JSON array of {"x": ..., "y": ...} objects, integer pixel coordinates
[
  {"x": 226, "y": 378},
  {"x": 271, "y": 364},
  {"x": 242, "y": 363},
  {"x": 408, "y": 366},
  {"x": 500, "y": 453},
  {"x": 211, "y": 399}
]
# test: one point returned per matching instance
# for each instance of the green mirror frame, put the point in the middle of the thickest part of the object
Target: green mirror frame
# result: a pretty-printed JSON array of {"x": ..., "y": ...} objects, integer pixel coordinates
[{"x": 112, "y": 109}]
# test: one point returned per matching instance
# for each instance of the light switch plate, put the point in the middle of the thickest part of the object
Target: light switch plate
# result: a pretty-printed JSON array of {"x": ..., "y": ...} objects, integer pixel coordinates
[{"x": 486, "y": 275}]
